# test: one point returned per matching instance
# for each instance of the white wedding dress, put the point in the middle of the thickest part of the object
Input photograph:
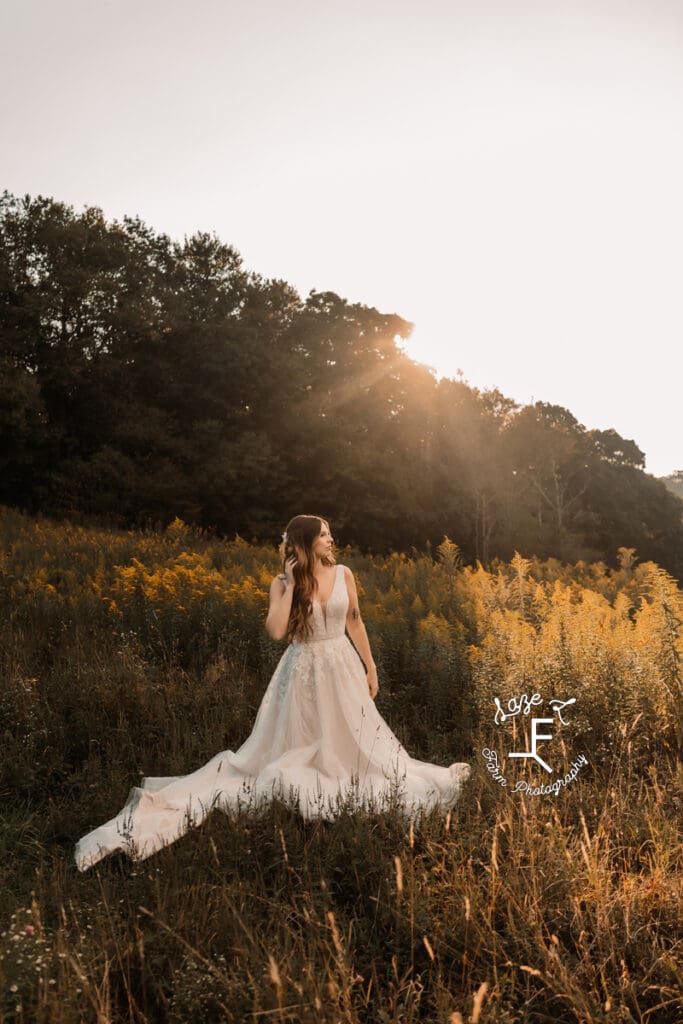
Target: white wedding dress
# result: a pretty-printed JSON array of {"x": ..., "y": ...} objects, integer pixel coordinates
[{"x": 318, "y": 741}]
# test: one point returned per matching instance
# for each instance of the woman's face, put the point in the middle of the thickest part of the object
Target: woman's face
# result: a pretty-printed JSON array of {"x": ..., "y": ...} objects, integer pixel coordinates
[{"x": 322, "y": 545}]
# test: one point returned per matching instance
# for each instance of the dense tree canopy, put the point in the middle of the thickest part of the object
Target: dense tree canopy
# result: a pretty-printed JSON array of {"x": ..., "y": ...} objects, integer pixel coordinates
[
  {"x": 674, "y": 481},
  {"x": 142, "y": 378}
]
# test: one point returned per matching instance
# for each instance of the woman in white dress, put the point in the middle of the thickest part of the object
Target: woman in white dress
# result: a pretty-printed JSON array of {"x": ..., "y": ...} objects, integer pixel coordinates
[{"x": 318, "y": 740}]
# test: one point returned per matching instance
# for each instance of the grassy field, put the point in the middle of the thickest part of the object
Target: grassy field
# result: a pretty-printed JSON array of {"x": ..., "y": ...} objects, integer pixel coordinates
[{"x": 128, "y": 654}]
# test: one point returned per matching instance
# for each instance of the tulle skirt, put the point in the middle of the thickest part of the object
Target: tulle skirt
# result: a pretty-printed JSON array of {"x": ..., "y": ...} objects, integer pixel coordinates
[{"x": 318, "y": 743}]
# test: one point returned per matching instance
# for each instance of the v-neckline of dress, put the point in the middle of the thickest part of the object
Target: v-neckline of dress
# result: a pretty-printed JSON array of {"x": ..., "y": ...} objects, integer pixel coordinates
[{"x": 323, "y": 607}]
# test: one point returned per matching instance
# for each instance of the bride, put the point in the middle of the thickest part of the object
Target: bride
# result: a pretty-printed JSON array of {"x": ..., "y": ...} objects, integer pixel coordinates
[{"x": 318, "y": 739}]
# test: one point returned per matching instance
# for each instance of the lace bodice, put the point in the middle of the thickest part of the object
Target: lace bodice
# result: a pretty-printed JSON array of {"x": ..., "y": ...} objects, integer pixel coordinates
[{"x": 329, "y": 620}]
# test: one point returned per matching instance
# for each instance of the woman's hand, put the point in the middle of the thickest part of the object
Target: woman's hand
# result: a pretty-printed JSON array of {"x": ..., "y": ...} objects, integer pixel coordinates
[
  {"x": 291, "y": 562},
  {"x": 373, "y": 685}
]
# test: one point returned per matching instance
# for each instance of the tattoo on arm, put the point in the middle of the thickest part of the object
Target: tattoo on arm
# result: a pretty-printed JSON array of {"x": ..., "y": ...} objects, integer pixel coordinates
[{"x": 355, "y": 614}]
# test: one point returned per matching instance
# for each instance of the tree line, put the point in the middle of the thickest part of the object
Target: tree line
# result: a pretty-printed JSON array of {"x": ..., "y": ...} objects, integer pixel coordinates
[
  {"x": 142, "y": 378},
  {"x": 674, "y": 481}
]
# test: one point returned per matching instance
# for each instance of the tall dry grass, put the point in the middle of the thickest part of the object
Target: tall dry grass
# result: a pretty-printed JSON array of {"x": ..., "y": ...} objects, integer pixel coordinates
[{"x": 128, "y": 653}]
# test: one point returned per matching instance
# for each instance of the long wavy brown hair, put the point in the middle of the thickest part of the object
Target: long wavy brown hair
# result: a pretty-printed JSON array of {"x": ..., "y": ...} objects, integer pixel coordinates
[{"x": 300, "y": 534}]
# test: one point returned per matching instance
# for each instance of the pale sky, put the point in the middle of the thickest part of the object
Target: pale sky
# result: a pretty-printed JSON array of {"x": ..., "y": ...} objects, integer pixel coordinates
[{"x": 506, "y": 175}]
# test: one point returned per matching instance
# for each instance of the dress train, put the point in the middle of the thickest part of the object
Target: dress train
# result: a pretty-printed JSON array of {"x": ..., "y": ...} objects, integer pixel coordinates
[{"x": 318, "y": 742}]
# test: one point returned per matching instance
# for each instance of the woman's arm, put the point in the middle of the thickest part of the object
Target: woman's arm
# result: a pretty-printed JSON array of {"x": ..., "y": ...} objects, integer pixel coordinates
[
  {"x": 356, "y": 630},
  {"x": 280, "y": 606}
]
